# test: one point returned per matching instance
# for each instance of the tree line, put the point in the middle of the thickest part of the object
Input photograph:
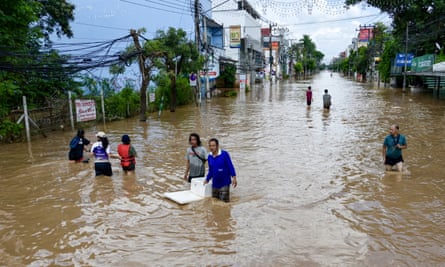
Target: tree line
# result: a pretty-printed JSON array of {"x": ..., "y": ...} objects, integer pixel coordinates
[
  {"x": 417, "y": 26},
  {"x": 304, "y": 57},
  {"x": 31, "y": 67}
]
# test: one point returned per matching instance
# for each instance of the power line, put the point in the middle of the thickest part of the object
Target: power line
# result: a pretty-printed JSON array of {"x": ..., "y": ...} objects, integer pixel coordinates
[
  {"x": 158, "y": 8},
  {"x": 329, "y": 21},
  {"x": 169, "y": 4},
  {"x": 101, "y": 26}
]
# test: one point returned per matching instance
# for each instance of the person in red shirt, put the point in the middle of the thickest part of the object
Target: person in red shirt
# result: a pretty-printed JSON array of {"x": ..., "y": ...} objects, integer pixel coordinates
[{"x": 309, "y": 96}]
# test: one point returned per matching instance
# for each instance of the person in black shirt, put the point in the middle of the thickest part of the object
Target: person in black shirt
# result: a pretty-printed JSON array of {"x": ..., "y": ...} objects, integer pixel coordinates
[{"x": 78, "y": 145}]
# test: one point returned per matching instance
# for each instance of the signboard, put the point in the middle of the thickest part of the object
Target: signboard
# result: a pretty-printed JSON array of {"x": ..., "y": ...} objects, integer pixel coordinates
[
  {"x": 400, "y": 59},
  {"x": 213, "y": 71},
  {"x": 193, "y": 79},
  {"x": 365, "y": 35},
  {"x": 152, "y": 97},
  {"x": 265, "y": 31},
  {"x": 423, "y": 63},
  {"x": 85, "y": 110},
  {"x": 242, "y": 81},
  {"x": 235, "y": 36},
  {"x": 439, "y": 67},
  {"x": 275, "y": 45}
]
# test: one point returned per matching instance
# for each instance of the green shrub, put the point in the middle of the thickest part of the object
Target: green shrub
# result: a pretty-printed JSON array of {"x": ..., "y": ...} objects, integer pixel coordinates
[
  {"x": 10, "y": 131},
  {"x": 230, "y": 93},
  {"x": 228, "y": 74},
  {"x": 184, "y": 93},
  {"x": 123, "y": 104}
]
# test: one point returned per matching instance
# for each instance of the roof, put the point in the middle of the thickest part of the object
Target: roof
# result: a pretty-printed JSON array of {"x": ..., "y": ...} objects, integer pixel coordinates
[
  {"x": 246, "y": 6},
  {"x": 227, "y": 60},
  {"x": 211, "y": 23}
]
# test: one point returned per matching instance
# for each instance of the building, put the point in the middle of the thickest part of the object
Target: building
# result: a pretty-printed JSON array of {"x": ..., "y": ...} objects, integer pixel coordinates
[
  {"x": 212, "y": 48},
  {"x": 242, "y": 36},
  {"x": 274, "y": 47}
]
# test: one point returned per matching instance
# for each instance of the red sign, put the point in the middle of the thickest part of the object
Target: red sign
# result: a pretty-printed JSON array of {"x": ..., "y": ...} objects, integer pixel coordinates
[
  {"x": 275, "y": 45},
  {"x": 85, "y": 109},
  {"x": 365, "y": 35},
  {"x": 265, "y": 31}
]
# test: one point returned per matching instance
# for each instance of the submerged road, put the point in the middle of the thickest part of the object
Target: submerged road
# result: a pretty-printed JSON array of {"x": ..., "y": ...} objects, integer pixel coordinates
[{"x": 312, "y": 190}]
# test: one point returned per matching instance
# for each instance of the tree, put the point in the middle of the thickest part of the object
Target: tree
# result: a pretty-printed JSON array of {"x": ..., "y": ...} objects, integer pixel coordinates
[
  {"x": 424, "y": 19},
  {"x": 177, "y": 55},
  {"x": 362, "y": 61},
  {"x": 169, "y": 52},
  {"x": 25, "y": 69},
  {"x": 311, "y": 57},
  {"x": 387, "y": 57},
  {"x": 228, "y": 75},
  {"x": 298, "y": 68},
  {"x": 147, "y": 56}
]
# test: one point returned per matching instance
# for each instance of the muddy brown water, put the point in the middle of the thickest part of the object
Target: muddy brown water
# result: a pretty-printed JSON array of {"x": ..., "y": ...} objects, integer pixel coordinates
[{"x": 312, "y": 188}]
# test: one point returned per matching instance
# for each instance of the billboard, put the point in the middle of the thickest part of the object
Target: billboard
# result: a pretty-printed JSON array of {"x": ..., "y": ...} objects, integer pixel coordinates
[
  {"x": 213, "y": 71},
  {"x": 85, "y": 110},
  {"x": 275, "y": 45},
  {"x": 365, "y": 34},
  {"x": 242, "y": 81},
  {"x": 423, "y": 63},
  {"x": 400, "y": 59},
  {"x": 235, "y": 36}
]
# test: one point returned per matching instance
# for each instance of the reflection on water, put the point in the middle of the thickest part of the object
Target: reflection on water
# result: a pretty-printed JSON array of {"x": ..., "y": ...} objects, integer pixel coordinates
[{"x": 312, "y": 186}]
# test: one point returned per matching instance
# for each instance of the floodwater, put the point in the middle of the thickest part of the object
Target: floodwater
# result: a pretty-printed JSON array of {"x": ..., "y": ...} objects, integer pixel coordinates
[{"x": 312, "y": 190}]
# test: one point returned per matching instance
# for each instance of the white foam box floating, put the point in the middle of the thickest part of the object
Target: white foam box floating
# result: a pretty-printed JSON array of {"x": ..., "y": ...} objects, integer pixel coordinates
[{"x": 198, "y": 191}]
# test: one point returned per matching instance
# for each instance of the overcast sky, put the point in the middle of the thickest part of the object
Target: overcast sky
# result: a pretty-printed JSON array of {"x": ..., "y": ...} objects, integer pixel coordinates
[{"x": 329, "y": 25}]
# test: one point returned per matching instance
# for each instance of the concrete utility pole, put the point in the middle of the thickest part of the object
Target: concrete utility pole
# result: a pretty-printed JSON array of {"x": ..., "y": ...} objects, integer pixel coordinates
[
  {"x": 145, "y": 80},
  {"x": 406, "y": 59},
  {"x": 198, "y": 47},
  {"x": 206, "y": 58},
  {"x": 270, "y": 50}
]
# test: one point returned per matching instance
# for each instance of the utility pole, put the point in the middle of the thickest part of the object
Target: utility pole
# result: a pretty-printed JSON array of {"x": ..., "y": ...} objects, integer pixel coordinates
[
  {"x": 206, "y": 57},
  {"x": 145, "y": 80},
  {"x": 270, "y": 51},
  {"x": 198, "y": 47},
  {"x": 406, "y": 59}
]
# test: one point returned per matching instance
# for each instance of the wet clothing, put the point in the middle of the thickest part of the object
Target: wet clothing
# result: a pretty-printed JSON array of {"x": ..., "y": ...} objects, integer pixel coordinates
[
  {"x": 309, "y": 97},
  {"x": 77, "y": 146},
  {"x": 327, "y": 101},
  {"x": 221, "y": 169},
  {"x": 127, "y": 153},
  {"x": 394, "y": 154},
  {"x": 197, "y": 164},
  {"x": 103, "y": 168},
  {"x": 393, "y": 161},
  {"x": 102, "y": 163},
  {"x": 222, "y": 193}
]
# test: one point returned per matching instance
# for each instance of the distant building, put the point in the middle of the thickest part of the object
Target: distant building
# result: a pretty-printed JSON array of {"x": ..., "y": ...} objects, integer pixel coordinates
[
  {"x": 276, "y": 44},
  {"x": 212, "y": 43},
  {"x": 242, "y": 36}
]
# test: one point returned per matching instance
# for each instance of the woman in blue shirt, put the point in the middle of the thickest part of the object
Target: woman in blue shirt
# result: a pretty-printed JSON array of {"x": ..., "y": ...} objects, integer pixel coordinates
[{"x": 221, "y": 171}]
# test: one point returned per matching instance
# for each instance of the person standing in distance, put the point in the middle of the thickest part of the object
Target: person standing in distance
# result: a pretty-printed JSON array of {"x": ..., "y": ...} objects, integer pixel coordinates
[
  {"x": 326, "y": 100},
  {"x": 392, "y": 149},
  {"x": 221, "y": 171},
  {"x": 102, "y": 153},
  {"x": 196, "y": 158},
  {"x": 78, "y": 145},
  {"x": 309, "y": 96}
]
